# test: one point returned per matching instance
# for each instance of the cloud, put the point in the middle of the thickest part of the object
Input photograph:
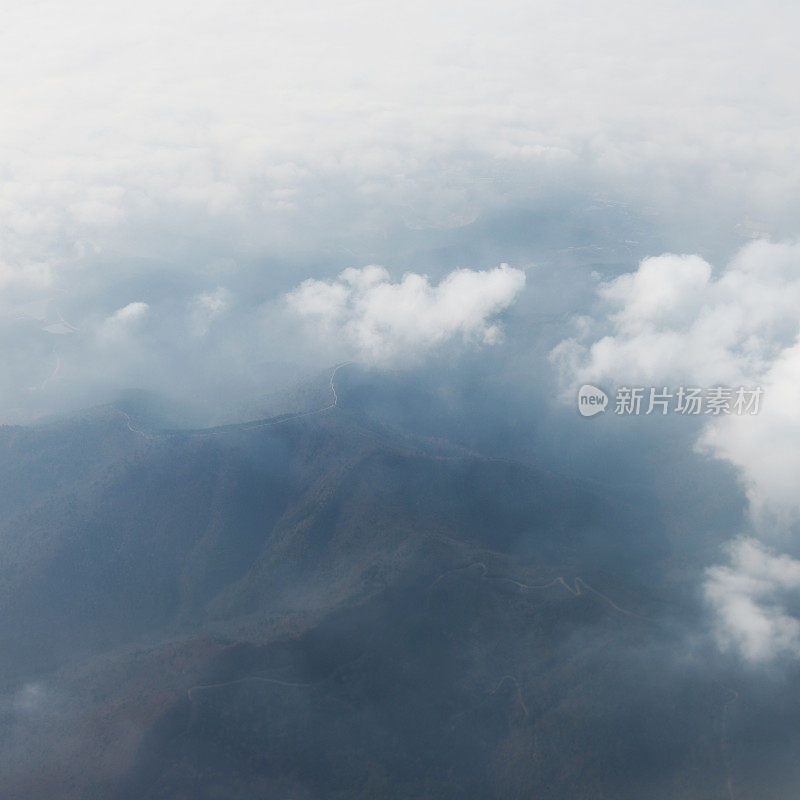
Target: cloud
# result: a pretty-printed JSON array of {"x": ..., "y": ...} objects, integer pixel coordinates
[
  {"x": 129, "y": 313},
  {"x": 748, "y": 596},
  {"x": 178, "y": 118},
  {"x": 386, "y": 322},
  {"x": 140, "y": 142},
  {"x": 123, "y": 320},
  {"x": 766, "y": 448},
  {"x": 674, "y": 321}
]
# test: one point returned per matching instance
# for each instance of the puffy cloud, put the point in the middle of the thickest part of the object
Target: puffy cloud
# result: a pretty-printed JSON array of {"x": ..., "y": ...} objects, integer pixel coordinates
[
  {"x": 766, "y": 448},
  {"x": 123, "y": 320},
  {"x": 128, "y": 314},
  {"x": 673, "y": 321},
  {"x": 385, "y": 321},
  {"x": 748, "y": 598}
]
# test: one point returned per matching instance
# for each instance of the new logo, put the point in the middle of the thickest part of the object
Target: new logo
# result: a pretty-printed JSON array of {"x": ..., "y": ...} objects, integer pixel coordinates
[{"x": 591, "y": 400}]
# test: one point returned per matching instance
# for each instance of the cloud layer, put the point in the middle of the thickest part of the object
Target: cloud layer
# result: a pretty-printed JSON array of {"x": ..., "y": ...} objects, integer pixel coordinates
[
  {"x": 167, "y": 153},
  {"x": 386, "y": 322}
]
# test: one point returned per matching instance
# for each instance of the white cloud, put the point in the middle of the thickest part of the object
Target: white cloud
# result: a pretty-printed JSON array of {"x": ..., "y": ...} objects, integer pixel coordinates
[
  {"x": 120, "y": 114},
  {"x": 674, "y": 322},
  {"x": 673, "y": 319},
  {"x": 384, "y": 321},
  {"x": 748, "y": 597},
  {"x": 766, "y": 447},
  {"x": 129, "y": 313},
  {"x": 123, "y": 320}
]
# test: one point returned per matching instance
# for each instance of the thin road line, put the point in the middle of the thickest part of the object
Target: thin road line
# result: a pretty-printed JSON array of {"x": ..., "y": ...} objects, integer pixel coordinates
[
  {"x": 579, "y": 585},
  {"x": 277, "y": 681}
]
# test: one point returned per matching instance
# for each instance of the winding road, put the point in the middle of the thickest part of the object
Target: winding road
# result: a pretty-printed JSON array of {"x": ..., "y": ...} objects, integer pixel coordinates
[{"x": 579, "y": 586}]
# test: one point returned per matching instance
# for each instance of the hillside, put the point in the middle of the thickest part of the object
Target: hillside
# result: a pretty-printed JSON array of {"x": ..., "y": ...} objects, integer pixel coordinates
[{"x": 324, "y": 606}]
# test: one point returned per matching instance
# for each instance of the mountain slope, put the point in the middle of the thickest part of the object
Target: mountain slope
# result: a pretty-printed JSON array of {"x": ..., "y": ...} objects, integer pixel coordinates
[{"x": 320, "y": 605}]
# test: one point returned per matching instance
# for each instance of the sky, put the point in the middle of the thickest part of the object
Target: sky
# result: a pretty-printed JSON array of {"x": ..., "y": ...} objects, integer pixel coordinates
[{"x": 204, "y": 199}]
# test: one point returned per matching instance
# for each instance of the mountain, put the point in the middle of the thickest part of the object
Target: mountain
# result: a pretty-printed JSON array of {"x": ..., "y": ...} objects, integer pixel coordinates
[{"x": 324, "y": 605}]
